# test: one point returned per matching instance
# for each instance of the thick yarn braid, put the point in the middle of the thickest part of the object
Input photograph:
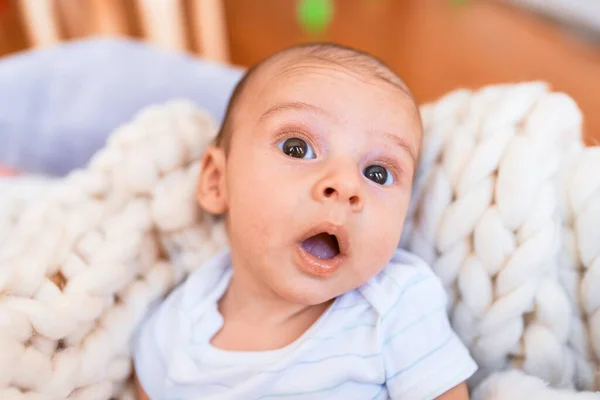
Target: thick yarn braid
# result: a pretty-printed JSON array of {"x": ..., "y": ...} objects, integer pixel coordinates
[
  {"x": 80, "y": 267},
  {"x": 489, "y": 217},
  {"x": 580, "y": 262}
]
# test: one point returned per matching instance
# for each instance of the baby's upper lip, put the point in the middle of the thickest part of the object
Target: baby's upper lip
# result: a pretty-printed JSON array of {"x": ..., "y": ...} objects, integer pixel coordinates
[{"x": 340, "y": 233}]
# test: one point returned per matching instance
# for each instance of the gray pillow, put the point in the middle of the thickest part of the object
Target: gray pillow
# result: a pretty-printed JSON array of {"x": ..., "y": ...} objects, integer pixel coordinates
[{"x": 58, "y": 105}]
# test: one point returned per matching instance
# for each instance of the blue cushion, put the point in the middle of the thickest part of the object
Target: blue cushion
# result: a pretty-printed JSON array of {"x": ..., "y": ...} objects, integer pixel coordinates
[{"x": 58, "y": 105}]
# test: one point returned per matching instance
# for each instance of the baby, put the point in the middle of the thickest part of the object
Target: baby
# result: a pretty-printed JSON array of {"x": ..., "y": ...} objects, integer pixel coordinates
[{"x": 312, "y": 171}]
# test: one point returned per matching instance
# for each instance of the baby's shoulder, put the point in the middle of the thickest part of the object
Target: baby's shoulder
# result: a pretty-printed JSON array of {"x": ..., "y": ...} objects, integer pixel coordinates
[{"x": 406, "y": 279}]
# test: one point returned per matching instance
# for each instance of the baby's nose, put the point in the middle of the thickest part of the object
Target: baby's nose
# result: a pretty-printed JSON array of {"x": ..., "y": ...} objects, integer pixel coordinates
[{"x": 341, "y": 187}]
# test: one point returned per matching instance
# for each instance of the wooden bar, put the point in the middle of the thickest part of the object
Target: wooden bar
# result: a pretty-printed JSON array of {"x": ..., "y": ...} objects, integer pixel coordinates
[
  {"x": 73, "y": 17},
  {"x": 41, "y": 23},
  {"x": 108, "y": 17},
  {"x": 162, "y": 22},
  {"x": 210, "y": 29}
]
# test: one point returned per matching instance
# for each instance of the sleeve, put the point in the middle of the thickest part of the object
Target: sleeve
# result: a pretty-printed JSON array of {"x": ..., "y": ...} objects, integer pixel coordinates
[
  {"x": 154, "y": 340},
  {"x": 423, "y": 356},
  {"x": 147, "y": 358}
]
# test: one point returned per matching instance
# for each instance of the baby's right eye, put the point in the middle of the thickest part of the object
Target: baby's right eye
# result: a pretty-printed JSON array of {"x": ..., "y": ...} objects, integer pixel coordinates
[{"x": 296, "y": 147}]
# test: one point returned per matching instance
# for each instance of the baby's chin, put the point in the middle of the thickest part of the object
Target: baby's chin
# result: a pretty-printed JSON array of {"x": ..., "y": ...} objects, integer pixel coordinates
[
  {"x": 307, "y": 299},
  {"x": 310, "y": 291}
]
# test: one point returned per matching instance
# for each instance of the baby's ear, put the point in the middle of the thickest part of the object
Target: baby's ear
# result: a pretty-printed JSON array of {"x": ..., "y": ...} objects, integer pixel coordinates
[{"x": 212, "y": 191}]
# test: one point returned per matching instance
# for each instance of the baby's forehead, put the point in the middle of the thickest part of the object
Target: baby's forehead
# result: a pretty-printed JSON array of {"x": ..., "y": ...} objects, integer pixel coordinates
[
  {"x": 302, "y": 87},
  {"x": 281, "y": 77}
]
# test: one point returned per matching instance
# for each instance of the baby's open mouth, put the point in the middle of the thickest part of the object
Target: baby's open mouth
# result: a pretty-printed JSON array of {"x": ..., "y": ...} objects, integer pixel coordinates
[{"x": 323, "y": 246}]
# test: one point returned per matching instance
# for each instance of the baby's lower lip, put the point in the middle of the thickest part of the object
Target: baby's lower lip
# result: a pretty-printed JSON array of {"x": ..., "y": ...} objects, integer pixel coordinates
[{"x": 317, "y": 267}]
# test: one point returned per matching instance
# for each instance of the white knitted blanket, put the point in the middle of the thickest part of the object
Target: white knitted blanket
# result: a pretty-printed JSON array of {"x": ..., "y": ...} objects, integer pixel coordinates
[{"x": 506, "y": 210}]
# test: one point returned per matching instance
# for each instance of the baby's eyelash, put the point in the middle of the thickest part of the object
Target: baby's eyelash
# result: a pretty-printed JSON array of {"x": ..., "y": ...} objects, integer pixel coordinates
[
  {"x": 293, "y": 133},
  {"x": 392, "y": 166}
]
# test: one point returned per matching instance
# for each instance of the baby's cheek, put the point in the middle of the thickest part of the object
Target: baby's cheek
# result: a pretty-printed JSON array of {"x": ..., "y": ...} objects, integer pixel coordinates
[
  {"x": 388, "y": 232},
  {"x": 385, "y": 246},
  {"x": 255, "y": 206}
]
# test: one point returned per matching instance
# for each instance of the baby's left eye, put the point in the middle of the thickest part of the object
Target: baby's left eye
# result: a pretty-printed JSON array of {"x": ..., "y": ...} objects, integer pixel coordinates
[{"x": 378, "y": 174}]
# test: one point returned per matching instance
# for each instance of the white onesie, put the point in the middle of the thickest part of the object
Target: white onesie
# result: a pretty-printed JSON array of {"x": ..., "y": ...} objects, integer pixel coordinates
[{"x": 389, "y": 338}]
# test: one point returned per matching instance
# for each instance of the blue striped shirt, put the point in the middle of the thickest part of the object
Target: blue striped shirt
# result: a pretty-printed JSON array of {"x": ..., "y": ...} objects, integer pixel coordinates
[{"x": 390, "y": 338}]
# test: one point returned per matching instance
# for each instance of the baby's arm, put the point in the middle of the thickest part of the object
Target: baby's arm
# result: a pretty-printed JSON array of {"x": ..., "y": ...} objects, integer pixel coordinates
[{"x": 458, "y": 392}]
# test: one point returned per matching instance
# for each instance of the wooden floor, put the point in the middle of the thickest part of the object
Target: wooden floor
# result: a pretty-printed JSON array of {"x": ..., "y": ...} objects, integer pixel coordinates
[{"x": 435, "y": 45}]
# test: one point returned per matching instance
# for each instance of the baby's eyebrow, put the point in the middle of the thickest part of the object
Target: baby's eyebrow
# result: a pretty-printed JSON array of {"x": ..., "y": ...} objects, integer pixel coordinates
[
  {"x": 403, "y": 144},
  {"x": 295, "y": 105}
]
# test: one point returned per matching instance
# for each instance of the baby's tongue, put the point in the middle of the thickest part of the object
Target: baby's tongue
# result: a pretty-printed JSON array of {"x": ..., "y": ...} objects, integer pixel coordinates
[{"x": 321, "y": 246}]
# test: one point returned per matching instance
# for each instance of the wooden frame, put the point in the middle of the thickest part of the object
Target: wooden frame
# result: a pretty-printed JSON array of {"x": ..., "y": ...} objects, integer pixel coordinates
[{"x": 163, "y": 22}]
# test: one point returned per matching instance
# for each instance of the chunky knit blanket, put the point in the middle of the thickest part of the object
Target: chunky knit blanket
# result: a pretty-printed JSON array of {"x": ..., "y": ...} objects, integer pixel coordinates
[{"x": 506, "y": 210}]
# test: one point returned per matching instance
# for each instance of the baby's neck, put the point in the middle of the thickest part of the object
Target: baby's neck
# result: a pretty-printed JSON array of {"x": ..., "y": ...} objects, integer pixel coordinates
[{"x": 255, "y": 321}]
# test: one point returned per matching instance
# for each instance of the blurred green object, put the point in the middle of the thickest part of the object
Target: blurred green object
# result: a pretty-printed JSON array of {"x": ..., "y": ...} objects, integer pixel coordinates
[{"x": 314, "y": 15}]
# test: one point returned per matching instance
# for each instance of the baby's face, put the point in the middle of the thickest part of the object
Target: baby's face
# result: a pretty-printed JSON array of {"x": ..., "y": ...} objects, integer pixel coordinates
[{"x": 318, "y": 180}]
